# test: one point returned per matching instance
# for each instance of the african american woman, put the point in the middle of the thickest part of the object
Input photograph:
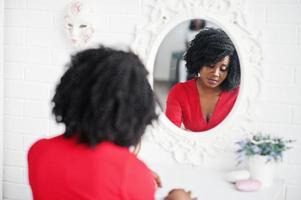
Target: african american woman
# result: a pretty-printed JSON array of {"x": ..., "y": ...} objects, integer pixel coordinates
[{"x": 203, "y": 102}]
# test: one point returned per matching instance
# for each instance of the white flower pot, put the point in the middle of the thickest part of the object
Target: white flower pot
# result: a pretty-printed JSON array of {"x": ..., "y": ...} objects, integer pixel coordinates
[{"x": 262, "y": 170}]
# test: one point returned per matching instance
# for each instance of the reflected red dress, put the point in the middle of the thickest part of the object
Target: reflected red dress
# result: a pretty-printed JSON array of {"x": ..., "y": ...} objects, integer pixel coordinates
[
  {"x": 183, "y": 106},
  {"x": 62, "y": 169}
]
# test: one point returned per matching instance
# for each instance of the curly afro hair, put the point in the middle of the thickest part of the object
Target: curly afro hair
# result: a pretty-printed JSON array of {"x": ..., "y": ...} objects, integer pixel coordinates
[
  {"x": 104, "y": 96},
  {"x": 208, "y": 47}
]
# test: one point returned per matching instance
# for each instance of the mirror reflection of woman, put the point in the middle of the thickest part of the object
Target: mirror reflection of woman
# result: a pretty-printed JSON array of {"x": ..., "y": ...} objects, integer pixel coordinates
[{"x": 203, "y": 102}]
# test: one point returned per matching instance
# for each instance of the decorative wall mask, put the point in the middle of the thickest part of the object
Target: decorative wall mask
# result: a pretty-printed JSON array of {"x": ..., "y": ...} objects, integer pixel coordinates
[{"x": 78, "y": 23}]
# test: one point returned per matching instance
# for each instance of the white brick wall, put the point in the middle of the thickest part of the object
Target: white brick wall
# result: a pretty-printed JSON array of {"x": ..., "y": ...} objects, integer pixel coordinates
[
  {"x": 1, "y": 92},
  {"x": 280, "y": 103},
  {"x": 283, "y": 13},
  {"x": 35, "y": 51},
  {"x": 15, "y": 4},
  {"x": 293, "y": 193},
  {"x": 274, "y": 33}
]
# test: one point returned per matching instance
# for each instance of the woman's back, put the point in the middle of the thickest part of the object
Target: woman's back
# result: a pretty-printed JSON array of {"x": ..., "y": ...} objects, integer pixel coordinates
[{"x": 61, "y": 168}]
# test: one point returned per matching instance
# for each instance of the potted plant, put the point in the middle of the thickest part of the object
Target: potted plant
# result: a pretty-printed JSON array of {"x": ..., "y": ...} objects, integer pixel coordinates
[{"x": 262, "y": 152}]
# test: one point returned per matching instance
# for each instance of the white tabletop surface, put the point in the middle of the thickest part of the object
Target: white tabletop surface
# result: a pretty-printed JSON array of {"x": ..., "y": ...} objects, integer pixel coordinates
[{"x": 210, "y": 184}]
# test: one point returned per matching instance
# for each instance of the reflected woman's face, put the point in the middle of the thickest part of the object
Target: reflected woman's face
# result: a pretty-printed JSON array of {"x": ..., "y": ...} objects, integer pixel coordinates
[{"x": 213, "y": 75}]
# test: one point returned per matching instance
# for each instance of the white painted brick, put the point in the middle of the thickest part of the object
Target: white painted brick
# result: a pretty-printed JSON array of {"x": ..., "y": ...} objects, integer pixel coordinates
[
  {"x": 13, "y": 107},
  {"x": 60, "y": 40},
  {"x": 15, "y": 53},
  {"x": 26, "y": 125},
  {"x": 14, "y": 35},
  {"x": 29, "y": 140},
  {"x": 16, "y": 4},
  {"x": 55, "y": 128},
  {"x": 38, "y": 55},
  {"x": 283, "y": 13},
  {"x": 269, "y": 112},
  {"x": 58, "y": 19},
  {"x": 254, "y": 2},
  {"x": 14, "y": 174},
  {"x": 283, "y": 1},
  {"x": 294, "y": 155},
  {"x": 38, "y": 19},
  {"x": 14, "y": 71},
  {"x": 274, "y": 54},
  {"x": 43, "y": 74},
  {"x": 113, "y": 39},
  {"x": 30, "y": 55},
  {"x": 14, "y": 18},
  {"x": 38, "y": 37},
  {"x": 14, "y": 191},
  {"x": 280, "y": 33},
  {"x": 127, "y": 26},
  {"x": 146, "y": 8},
  {"x": 283, "y": 94},
  {"x": 25, "y": 175},
  {"x": 52, "y": 93},
  {"x": 293, "y": 192},
  {"x": 21, "y": 89},
  {"x": 299, "y": 35},
  {"x": 60, "y": 58},
  {"x": 39, "y": 4},
  {"x": 298, "y": 76},
  {"x": 59, "y": 5},
  {"x": 290, "y": 173},
  {"x": 297, "y": 115},
  {"x": 280, "y": 74},
  {"x": 257, "y": 13},
  {"x": 14, "y": 158},
  {"x": 13, "y": 141},
  {"x": 28, "y": 193},
  {"x": 124, "y": 7},
  {"x": 36, "y": 109},
  {"x": 102, "y": 23}
]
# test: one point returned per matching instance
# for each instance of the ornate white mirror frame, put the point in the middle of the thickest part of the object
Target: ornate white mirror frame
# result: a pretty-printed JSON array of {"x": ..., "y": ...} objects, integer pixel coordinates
[{"x": 195, "y": 148}]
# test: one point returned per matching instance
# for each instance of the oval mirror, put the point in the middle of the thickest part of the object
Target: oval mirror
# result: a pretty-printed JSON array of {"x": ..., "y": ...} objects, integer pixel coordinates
[
  {"x": 168, "y": 22},
  {"x": 196, "y": 75}
]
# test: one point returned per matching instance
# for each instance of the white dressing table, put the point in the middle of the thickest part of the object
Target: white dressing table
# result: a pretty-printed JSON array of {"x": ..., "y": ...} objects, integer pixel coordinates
[
  {"x": 209, "y": 184},
  {"x": 207, "y": 181}
]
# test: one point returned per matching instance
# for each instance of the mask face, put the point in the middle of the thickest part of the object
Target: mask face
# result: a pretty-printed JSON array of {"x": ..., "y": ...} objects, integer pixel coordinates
[{"x": 78, "y": 24}]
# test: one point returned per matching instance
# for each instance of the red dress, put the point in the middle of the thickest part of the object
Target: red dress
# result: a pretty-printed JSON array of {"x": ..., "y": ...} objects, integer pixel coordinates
[
  {"x": 62, "y": 169},
  {"x": 183, "y": 106}
]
